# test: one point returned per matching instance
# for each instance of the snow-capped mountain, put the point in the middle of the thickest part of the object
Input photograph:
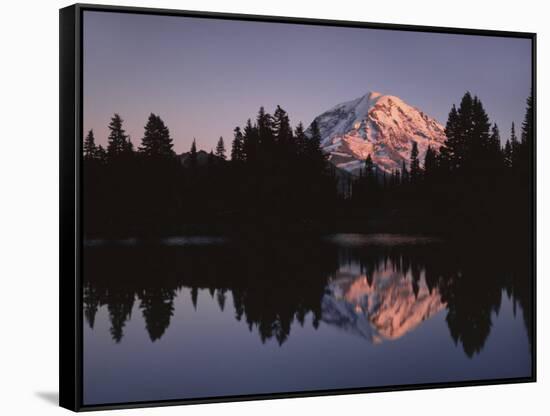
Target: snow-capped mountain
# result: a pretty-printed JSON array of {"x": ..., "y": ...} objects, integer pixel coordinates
[{"x": 383, "y": 126}]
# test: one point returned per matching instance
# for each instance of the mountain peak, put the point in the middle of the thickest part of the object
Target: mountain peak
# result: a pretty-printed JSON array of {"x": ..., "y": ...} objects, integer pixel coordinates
[{"x": 383, "y": 126}]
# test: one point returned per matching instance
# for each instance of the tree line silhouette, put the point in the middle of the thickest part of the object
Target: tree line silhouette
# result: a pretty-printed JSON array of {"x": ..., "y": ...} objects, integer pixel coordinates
[
  {"x": 471, "y": 184},
  {"x": 279, "y": 284},
  {"x": 278, "y": 179}
]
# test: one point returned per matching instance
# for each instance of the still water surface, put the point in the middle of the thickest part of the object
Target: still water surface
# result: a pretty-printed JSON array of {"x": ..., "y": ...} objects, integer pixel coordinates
[{"x": 203, "y": 317}]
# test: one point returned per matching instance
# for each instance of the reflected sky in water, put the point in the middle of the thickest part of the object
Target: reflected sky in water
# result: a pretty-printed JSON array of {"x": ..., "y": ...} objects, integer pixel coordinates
[{"x": 174, "y": 321}]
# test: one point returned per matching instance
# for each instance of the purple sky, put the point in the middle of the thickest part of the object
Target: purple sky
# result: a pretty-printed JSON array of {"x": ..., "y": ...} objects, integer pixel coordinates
[{"x": 205, "y": 76}]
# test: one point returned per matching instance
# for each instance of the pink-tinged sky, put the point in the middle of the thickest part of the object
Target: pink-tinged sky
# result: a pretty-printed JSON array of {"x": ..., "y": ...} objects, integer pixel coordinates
[{"x": 205, "y": 76}]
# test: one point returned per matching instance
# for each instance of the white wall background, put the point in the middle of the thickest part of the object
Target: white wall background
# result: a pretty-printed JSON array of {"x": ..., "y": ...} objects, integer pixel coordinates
[{"x": 29, "y": 205}]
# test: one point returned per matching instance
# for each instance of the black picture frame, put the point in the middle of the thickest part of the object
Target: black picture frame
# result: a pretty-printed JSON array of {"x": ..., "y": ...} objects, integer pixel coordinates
[{"x": 71, "y": 137}]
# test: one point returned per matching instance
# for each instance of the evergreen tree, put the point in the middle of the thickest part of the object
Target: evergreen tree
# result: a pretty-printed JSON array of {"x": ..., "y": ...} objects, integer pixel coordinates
[
  {"x": 494, "y": 153},
  {"x": 494, "y": 140},
  {"x": 465, "y": 131},
  {"x": 193, "y": 154},
  {"x": 315, "y": 134},
  {"x": 415, "y": 163},
  {"x": 220, "y": 149},
  {"x": 237, "y": 150},
  {"x": 313, "y": 149},
  {"x": 101, "y": 154},
  {"x": 507, "y": 154},
  {"x": 514, "y": 143},
  {"x": 90, "y": 149},
  {"x": 450, "y": 154},
  {"x": 430, "y": 163},
  {"x": 156, "y": 141},
  {"x": 301, "y": 139},
  {"x": 264, "y": 122},
  {"x": 468, "y": 140},
  {"x": 117, "y": 140},
  {"x": 281, "y": 127},
  {"x": 526, "y": 136},
  {"x": 527, "y": 125},
  {"x": 479, "y": 139},
  {"x": 250, "y": 142}
]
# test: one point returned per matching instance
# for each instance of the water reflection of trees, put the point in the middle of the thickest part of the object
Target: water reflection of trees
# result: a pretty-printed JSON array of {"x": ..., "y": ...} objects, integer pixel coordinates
[
  {"x": 271, "y": 285},
  {"x": 275, "y": 284}
]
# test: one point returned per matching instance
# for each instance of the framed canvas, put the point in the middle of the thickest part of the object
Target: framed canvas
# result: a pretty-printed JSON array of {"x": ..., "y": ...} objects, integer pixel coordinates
[{"x": 258, "y": 207}]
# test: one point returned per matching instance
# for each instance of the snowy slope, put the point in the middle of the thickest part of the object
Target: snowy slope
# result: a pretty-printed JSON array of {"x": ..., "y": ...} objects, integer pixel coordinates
[{"x": 383, "y": 126}]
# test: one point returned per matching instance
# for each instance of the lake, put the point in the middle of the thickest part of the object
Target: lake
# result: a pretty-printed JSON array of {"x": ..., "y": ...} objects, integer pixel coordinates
[{"x": 202, "y": 317}]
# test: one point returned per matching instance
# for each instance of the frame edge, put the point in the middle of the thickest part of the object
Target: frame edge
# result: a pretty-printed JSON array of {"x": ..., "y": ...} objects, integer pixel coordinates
[
  {"x": 69, "y": 288},
  {"x": 70, "y": 301}
]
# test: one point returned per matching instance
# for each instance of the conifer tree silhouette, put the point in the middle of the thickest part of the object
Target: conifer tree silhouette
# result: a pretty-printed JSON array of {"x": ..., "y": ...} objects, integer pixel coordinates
[
  {"x": 507, "y": 154},
  {"x": 514, "y": 143},
  {"x": 193, "y": 154},
  {"x": 90, "y": 148},
  {"x": 117, "y": 140},
  {"x": 430, "y": 163},
  {"x": 237, "y": 150},
  {"x": 415, "y": 163},
  {"x": 156, "y": 140},
  {"x": 220, "y": 149}
]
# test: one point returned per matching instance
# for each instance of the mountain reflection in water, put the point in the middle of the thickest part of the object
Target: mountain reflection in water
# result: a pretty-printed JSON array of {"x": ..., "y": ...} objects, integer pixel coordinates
[
  {"x": 383, "y": 306},
  {"x": 197, "y": 317},
  {"x": 378, "y": 287}
]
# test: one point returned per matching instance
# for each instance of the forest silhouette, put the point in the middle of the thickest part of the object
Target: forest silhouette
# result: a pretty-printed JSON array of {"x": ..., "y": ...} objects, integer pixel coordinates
[{"x": 279, "y": 180}]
